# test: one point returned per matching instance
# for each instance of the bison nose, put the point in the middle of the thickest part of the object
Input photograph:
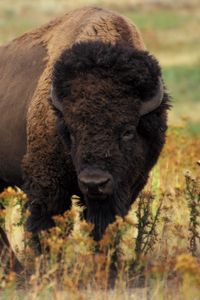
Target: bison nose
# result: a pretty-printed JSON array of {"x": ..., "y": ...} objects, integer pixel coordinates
[{"x": 95, "y": 183}]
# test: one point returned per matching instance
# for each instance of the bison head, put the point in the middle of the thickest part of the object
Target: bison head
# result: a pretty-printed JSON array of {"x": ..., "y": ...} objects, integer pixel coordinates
[{"x": 111, "y": 109}]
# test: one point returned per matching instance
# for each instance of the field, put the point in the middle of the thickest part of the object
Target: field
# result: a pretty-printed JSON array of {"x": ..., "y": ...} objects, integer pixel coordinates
[{"x": 155, "y": 252}]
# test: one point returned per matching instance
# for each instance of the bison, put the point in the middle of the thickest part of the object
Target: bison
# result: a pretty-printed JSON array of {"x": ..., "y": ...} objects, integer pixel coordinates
[{"x": 83, "y": 111}]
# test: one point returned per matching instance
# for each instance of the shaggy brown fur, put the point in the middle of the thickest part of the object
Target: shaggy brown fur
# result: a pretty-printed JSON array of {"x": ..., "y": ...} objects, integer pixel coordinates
[{"x": 50, "y": 169}]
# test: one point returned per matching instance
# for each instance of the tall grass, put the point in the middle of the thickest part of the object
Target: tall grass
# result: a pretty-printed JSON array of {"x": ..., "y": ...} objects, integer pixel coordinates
[{"x": 154, "y": 250}]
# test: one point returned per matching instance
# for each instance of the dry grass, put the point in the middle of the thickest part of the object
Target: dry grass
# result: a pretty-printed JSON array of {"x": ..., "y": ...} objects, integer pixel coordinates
[{"x": 154, "y": 253}]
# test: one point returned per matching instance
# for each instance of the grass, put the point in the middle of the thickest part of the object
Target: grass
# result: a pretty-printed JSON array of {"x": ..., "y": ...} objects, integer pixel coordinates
[
  {"x": 188, "y": 78},
  {"x": 155, "y": 250},
  {"x": 154, "y": 20},
  {"x": 152, "y": 260}
]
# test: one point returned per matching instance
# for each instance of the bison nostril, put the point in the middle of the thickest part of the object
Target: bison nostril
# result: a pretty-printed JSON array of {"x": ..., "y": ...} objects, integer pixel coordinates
[
  {"x": 95, "y": 182},
  {"x": 103, "y": 183}
]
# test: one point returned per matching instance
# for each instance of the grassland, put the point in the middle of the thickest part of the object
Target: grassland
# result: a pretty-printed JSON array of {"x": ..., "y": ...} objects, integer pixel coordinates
[{"x": 168, "y": 266}]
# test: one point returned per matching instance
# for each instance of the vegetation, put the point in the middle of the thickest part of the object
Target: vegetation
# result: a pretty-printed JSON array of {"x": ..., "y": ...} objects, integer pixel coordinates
[
  {"x": 155, "y": 249},
  {"x": 154, "y": 253}
]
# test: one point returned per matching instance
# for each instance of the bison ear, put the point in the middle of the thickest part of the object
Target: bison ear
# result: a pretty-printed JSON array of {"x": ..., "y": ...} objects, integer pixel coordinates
[
  {"x": 55, "y": 102},
  {"x": 155, "y": 101}
]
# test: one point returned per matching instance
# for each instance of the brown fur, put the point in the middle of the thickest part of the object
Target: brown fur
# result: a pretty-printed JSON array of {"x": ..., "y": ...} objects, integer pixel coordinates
[
  {"x": 16, "y": 62},
  {"x": 47, "y": 168},
  {"x": 41, "y": 48},
  {"x": 80, "y": 25}
]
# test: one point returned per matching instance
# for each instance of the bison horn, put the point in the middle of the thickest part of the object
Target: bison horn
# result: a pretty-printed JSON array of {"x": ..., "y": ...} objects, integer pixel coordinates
[
  {"x": 56, "y": 103},
  {"x": 155, "y": 101}
]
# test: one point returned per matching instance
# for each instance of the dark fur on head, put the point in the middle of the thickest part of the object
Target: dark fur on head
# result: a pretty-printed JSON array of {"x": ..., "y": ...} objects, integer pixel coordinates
[
  {"x": 136, "y": 69},
  {"x": 101, "y": 88}
]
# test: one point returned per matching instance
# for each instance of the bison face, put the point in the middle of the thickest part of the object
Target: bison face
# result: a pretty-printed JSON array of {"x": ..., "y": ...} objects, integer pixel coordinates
[{"x": 100, "y": 93}]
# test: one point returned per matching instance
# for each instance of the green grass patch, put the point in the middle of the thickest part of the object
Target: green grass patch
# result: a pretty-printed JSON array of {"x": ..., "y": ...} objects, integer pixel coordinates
[
  {"x": 159, "y": 19},
  {"x": 193, "y": 128},
  {"x": 168, "y": 31},
  {"x": 183, "y": 83}
]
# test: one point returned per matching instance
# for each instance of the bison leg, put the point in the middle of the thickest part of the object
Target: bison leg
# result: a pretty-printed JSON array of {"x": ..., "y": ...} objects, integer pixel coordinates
[
  {"x": 3, "y": 185},
  {"x": 43, "y": 203},
  {"x": 41, "y": 209},
  {"x": 48, "y": 173}
]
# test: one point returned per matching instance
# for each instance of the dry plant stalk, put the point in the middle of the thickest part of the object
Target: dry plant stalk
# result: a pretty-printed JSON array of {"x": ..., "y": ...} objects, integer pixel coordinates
[{"x": 193, "y": 200}]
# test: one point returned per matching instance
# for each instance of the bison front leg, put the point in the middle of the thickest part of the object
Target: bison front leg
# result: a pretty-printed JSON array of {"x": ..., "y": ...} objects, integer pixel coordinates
[
  {"x": 43, "y": 203},
  {"x": 48, "y": 179},
  {"x": 48, "y": 172},
  {"x": 49, "y": 188}
]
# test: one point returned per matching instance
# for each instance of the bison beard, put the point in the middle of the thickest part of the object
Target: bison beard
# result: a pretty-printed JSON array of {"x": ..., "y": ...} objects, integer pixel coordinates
[{"x": 101, "y": 213}]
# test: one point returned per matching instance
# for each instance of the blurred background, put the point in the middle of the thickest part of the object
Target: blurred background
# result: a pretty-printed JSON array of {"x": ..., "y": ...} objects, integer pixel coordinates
[{"x": 171, "y": 31}]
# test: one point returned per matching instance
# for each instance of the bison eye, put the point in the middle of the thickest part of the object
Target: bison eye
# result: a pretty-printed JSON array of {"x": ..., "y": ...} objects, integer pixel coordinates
[{"x": 128, "y": 135}]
